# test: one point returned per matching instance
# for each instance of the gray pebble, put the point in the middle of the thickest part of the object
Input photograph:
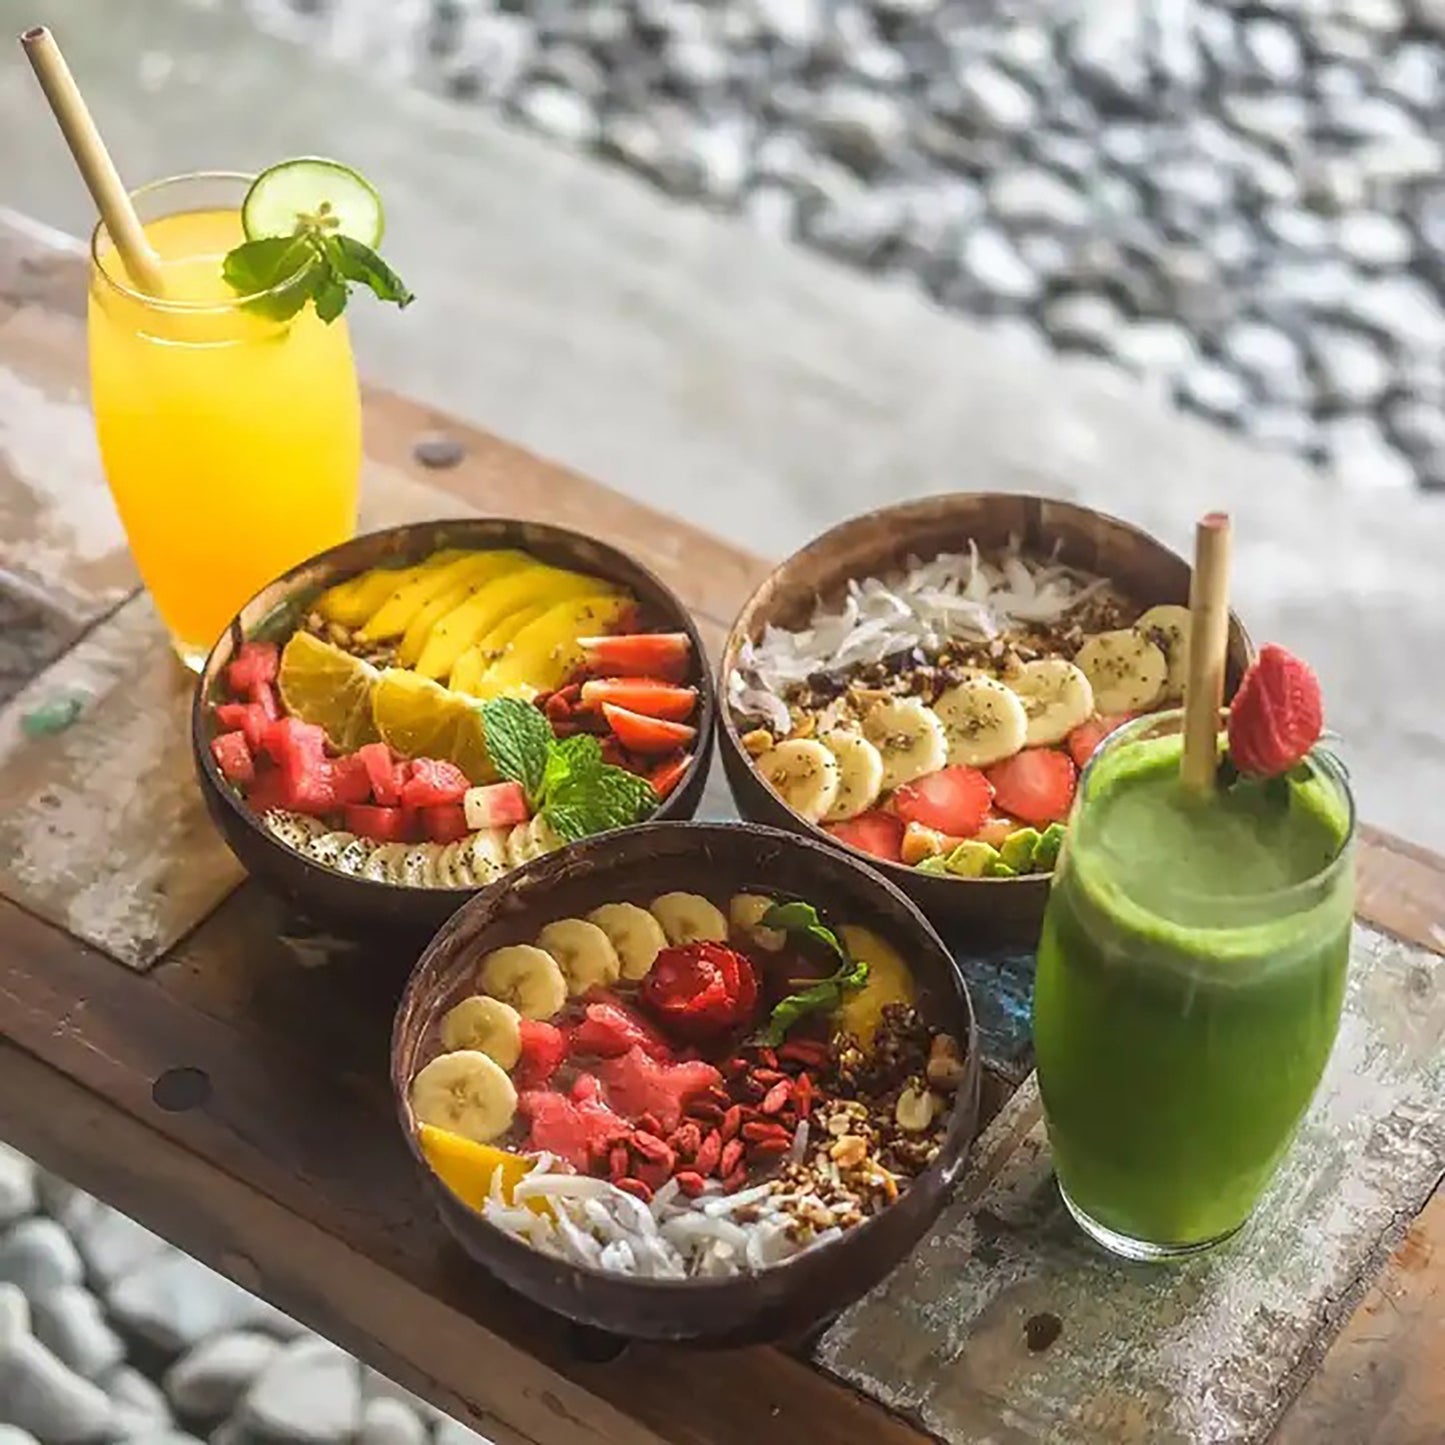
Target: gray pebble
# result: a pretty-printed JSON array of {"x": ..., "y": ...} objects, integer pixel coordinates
[
  {"x": 1156, "y": 348},
  {"x": 1416, "y": 73},
  {"x": 1214, "y": 390},
  {"x": 1282, "y": 428},
  {"x": 139, "y": 1406},
  {"x": 389, "y": 1422},
  {"x": 174, "y": 1302},
  {"x": 859, "y": 227},
  {"x": 1106, "y": 48},
  {"x": 37, "y": 1255},
  {"x": 719, "y": 150},
  {"x": 69, "y": 1322},
  {"x": 40, "y": 1394},
  {"x": 438, "y": 450},
  {"x": 1373, "y": 241},
  {"x": 1277, "y": 120},
  {"x": 798, "y": 23},
  {"x": 17, "y": 1186},
  {"x": 574, "y": 70},
  {"x": 1036, "y": 197},
  {"x": 558, "y": 112},
  {"x": 160, "y": 1435},
  {"x": 1274, "y": 50},
  {"x": 1398, "y": 160},
  {"x": 495, "y": 48},
  {"x": 113, "y": 1244},
  {"x": 310, "y": 1393},
  {"x": 1354, "y": 371},
  {"x": 1083, "y": 319},
  {"x": 208, "y": 1381},
  {"x": 991, "y": 261},
  {"x": 14, "y": 1435},
  {"x": 860, "y": 127},
  {"x": 1268, "y": 357},
  {"x": 1419, "y": 431},
  {"x": 773, "y": 209},
  {"x": 14, "y": 1316},
  {"x": 1296, "y": 229},
  {"x": 995, "y": 101}
]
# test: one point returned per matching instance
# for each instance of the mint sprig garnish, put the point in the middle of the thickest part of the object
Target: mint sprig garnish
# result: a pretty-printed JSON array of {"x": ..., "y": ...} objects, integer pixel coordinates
[
  {"x": 282, "y": 273},
  {"x": 566, "y": 780},
  {"x": 801, "y": 921}
]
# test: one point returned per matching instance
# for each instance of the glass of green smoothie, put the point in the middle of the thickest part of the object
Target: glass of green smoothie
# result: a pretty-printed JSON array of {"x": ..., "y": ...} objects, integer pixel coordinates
[{"x": 1190, "y": 977}]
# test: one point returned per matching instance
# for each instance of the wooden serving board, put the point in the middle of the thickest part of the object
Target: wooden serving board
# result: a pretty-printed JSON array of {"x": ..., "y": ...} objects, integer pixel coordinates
[{"x": 171, "y": 1040}]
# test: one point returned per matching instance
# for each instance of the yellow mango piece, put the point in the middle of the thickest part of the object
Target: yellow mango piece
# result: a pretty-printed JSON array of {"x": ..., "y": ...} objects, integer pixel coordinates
[
  {"x": 466, "y": 625},
  {"x": 418, "y": 630},
  {"x": 481, "y": 655},
  {"x": 466, "y": 1168},
  {"x": 545, "y": 653},
  {"x": 890, "y": 981},
  {"x": 462, "y": 575},
  {"x": 351, "y": 602}
]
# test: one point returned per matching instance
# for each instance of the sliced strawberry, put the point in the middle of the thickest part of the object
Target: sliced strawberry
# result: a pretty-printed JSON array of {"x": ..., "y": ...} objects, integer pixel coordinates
[
  {"x": 638, "y": 654},
  {"x": 1276, "y": 716},
  {"x": 498, "y": 805},
  {"x": 669, "y": 773},
  {"x": 432, "y": 783},
  {"x": 610, "y": 1028},
  {"x": 350, "y": 780},
  {"x": 642, "y": 694},
  {"x": 877, "y": 833},
  {"x": 254, "y": 662},
  {"x": 1036, "y": 785},
  {"x": 382, "y": 825},
  {"x": 640, "y": 734},
  {"x": 445, "y": 824},
  {"x": 544, "y": 1046},
  {"x": 953, "y": 800},
  {"x": 233, "y": 757},
  {"x": 381, "y": 773},
  {"x": 1088, "y": 735},
  {"x": 248, "y": 717}
]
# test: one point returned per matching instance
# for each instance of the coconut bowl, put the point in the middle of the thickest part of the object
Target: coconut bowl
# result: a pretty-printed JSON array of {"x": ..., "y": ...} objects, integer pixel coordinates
[
  {"x": 638, "y": 864},
  {"x": 357, "y": 906},
  {"x": 971, "y": 913}
]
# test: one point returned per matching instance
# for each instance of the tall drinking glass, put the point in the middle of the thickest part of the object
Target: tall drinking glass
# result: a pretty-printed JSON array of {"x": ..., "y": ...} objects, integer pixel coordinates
[
  {"x": 231, "y": 441},
  {"x": 1190, "y": 978}
]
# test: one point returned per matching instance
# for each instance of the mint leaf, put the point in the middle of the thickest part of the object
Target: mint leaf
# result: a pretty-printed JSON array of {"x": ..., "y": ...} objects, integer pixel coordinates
[
  {"x": 519, "y": 742},
  {"x": 359, "y": 263},
  {"x": 597, "y": 800},
  {"x": 569, "y": 758},
  {"x": 265, "y": 265},
  {"x": 801, "y": 920}
]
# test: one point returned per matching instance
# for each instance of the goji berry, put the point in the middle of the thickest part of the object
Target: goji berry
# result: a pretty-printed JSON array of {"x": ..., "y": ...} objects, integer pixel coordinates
[
  {"x": 636, "y": 1188},
  {"x": 708, "y": 1154},
  {"x": 649, "y": 1123},
  {"x": 719, "y": 1096},
  {"x": 803, "y": 1092},
  {"x": 776, "y": 1097},
  {"x": 686, "y": 1139},
  {"x": 768, "y": 1058},
  {"x": 767, "y": 1076},
  {"x": 769, "y": 1148},
  {"x": 690, "y": 1182},
  {"x": 654, "y": 1173},
  {"x": 734, "y": 1181},
  {"x": 804, "y": 1051},
  {"x": 650, "y": 1147},
  {"x": 753, "y": 1133},
  {"x": 732, "y": 1068},
  {"x": 731, "y": 1156},
  {"x": 732, "y": 1121},
  {"x": 707, "y": 1111}
]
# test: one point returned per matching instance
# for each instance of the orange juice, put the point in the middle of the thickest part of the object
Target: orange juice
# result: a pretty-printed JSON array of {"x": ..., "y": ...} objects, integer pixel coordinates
[{"x": 231, "y": 441}]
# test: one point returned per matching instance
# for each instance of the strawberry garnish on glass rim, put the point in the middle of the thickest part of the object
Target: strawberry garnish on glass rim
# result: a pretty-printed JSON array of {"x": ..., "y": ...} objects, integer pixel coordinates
[{"x": 1277, "y": 715}]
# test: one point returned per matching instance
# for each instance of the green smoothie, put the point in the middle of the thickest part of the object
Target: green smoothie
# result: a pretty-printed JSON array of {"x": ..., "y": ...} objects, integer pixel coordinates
[{"x": 1190, "y": 978}]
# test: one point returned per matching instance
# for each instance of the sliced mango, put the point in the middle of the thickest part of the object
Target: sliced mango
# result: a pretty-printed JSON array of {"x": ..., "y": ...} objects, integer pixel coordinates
[
  {"x": 478, "y": 658},
  {"x": 545, "y": 653},
  {"x": 401, "y": 608},
  {"x": 464, "y": 626},
  {"x": 466, "y": 1168},
  {"x": 890, "y": 981},
  {"x": 420, "y": 626},
  {"x": 351, "y": 602}
]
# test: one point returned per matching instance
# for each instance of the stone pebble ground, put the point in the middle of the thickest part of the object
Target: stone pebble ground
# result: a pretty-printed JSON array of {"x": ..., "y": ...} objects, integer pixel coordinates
[
  {"x": 1243, "y": 204},
  {"x": 109, "y": 1336}
]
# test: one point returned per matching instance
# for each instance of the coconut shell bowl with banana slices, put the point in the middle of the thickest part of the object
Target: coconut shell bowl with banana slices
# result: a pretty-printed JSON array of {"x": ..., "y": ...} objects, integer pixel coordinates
[
  {"x": 405, "y": 718},
  {"x": 693, "y": 1082},
  {"x": 923, "y": 684}
]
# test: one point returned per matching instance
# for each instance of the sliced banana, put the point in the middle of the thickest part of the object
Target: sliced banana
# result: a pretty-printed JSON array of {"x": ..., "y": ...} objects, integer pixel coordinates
[
  {"x": 860, "y": 775},
  {"x": 451, "y": 872},
  {"x": 689, "y": 918},
  {"x": 379, "y": 866},
  {"x": 909, "y": 738},
  {"x": 326, "y": 848},
  {"x": 418, "y": 868},
  {"x": 983, "y": 720},
  {"x": 1127, "y": 671},
  {"x": 804, "y": 774},
  {"x": 465, "y": 1093},
  {"x": 745, "y": 916},
  {"x": 635, "y": 933},
  {"x": 520, "y": 847},
  {"x": 353, "y": 857},
  {"x": 293, "y": 829},
  {"x": 526, "y": 977},
  {"x": 483, "y": 856},
  {"x": 487, "y": 1025},
  {"x": 1167, "y": 627},
  {"x": 545, "y": 838},
  {"x": 583, "y": 952},
  {"x": 1056, "y": 696}
]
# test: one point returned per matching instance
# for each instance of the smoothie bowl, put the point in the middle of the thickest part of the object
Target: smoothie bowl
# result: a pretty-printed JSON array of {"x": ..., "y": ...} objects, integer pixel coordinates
[
  {"x": 703, "y": 1083},
  {"x": 923, "y": 684},
  {"x": 407, "y": 717}
]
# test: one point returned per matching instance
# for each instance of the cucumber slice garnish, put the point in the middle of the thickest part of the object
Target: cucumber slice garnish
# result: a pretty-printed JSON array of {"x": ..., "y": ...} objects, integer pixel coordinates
[{"x": 313, "y": 192}]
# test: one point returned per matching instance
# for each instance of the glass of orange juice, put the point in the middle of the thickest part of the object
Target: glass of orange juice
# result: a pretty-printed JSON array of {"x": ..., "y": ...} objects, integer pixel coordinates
[{"x": 231, "y": 440}]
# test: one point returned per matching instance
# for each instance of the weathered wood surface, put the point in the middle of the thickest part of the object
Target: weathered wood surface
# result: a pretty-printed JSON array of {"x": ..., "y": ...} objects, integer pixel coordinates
[{"x": 288, "y": 1176}]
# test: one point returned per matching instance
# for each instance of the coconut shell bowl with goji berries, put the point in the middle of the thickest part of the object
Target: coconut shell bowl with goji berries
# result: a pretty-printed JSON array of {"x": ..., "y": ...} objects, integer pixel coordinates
[
  {"x": 688, "y": 1082},
  {"x": 403, "y": 719}
]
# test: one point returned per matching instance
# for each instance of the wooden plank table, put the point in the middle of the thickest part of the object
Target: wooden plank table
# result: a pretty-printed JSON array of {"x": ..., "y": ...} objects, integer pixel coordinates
[{"x": 171, "y": 1041}]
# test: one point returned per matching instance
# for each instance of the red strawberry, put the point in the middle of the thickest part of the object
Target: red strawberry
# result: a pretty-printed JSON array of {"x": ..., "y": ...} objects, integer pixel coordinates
[
  {"x": 1277, "y": 714},
  {"x": 642, "y": 694},
  {"x": 1088, "y": 735},
  {"x": 638, "y": 654},
  {"x": 669, "y": 773},
  {"x": 641, "y": 734},
  {"x": 876, "y": 832},
  {"x": 544, "y": 1046},
  {"x": 953, "y": 800},
  {"x": 1036, "y": 785}
]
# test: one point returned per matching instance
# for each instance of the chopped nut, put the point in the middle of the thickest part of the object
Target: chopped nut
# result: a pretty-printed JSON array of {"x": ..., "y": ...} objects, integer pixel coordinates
[
  {"x": 914, "y": 1110},
  {"x": 804, "y": 725},
  {"x": 920, "y": 842},
  {"x": 945, "y": 1068},
  {"x": 757, "y": 742},
  {"x": 849, "y": 1151}
]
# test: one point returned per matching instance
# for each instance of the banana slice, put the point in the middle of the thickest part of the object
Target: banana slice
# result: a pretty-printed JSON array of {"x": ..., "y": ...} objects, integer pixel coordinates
[
  {"x": 1167, "y": 627},
  {"x": 1056, "y": 696},
  {"x": 483, "y": 857},
  {"x": 804, "y": 774},
  {"x": 528, "y": 978},
  {"x": 909, "y": 738},
  {"x": 487, "y": 1025},
  {"x": 450, "y": 870},
  {"x": 520, "y": 845},
  {"x": 690, "y": 918},
  {"x": 354, "y": 856},
  {"x": 583, "y": 952},
  {"x": 418, "y": 867},
  {"x": 983, "y": 720},
  {"x": 1127, "y": 671},
  {"x": 296, "y": 830},
  {"x": 465, "y": 1093},
  {"x": 383, "y": 860},
  {"x": 635, "y": 934},
  {"x": 545, "y": 838},
  {"x": 860, "y": 775},
  {"x": 745, "y": 915}
]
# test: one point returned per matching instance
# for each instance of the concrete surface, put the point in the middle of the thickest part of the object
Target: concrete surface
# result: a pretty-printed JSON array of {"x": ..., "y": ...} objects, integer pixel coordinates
[{"x": 754, "y": 388}]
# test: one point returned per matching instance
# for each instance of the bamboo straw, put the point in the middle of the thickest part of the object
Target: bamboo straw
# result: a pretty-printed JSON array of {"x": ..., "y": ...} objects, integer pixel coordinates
[
  {"x": 1208, "y": 644},
  {"x": 94, "y": 162}
]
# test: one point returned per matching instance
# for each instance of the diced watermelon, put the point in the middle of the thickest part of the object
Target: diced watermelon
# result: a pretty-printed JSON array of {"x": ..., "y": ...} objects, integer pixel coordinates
[
  {"x": 289, "y": 735},
  {"x": 610, "y": 1028},
  {"x": 498, "y": 805},
  {"x": 350, "y": 780},
  {"x": 248, "y": 717},
  {"x": 384, "y": 825},
  {"x": 432, "y": 783},
  {"x": 263, "y": 696},
  {"x": 267, "y": 792},
  {"x": 445, "y": 824},
  {"x": 385, "y": 783},
  {"x": 254, "y": 662},
  {"x": 233, "y": 757},
  {"x": 576, "y": 1132},
  {"x": 636, "y": 1083},
  {"x": 544, "y": 1046},
  {"x": 308, "y": 784}
]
